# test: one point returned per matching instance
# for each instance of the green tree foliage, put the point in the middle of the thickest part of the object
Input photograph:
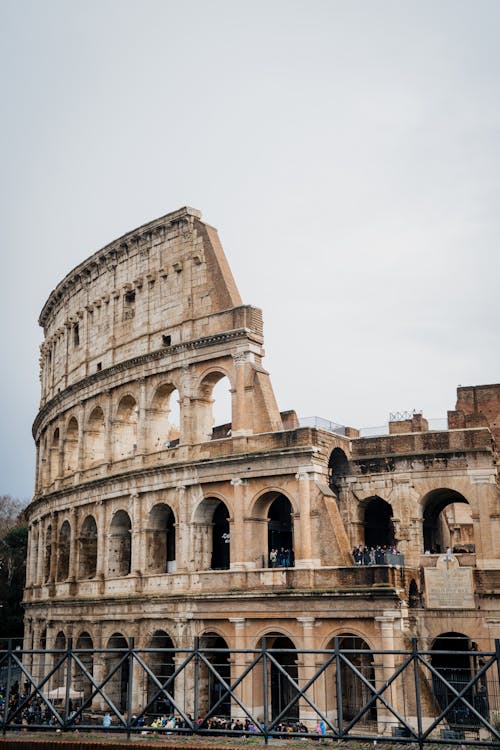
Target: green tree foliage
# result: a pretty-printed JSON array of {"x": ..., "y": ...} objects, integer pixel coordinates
[{"x": 13, "y": 546}]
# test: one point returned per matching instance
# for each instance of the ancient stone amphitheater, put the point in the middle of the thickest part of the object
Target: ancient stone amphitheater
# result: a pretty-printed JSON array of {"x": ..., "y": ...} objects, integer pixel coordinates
[{"x": 150, "y": 520}]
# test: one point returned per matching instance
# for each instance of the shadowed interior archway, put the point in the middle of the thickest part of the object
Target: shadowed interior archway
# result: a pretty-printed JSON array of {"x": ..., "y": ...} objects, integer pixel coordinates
[{"x": 440, "y": 525}]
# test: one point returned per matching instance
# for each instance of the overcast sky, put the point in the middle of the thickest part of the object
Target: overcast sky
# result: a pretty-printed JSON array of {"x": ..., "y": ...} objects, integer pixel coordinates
[{"x": 347, "y": 152}]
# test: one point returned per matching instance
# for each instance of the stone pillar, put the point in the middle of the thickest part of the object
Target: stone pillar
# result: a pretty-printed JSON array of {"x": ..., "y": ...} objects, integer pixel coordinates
[
  {"x": 239, "y": 559},
  {"x": 304, "y": 551},
  {"x": 102, "y": 536},
  {"x": 386, "y": 668},
  {"x": 137, "y": 557},
  {"x": 239, "y": 663},
  {"x": 142, "y": 422},
  {"x": 242, "y": 415},
  {"x": 54, "y": 549},
  {"x": 42, "y": 526},
  {"x": 306, "y": 670},
  {"x": 73, "y": 547},
  {"x": 108, "y": 428},
  {"x": 81, "y": 437}
]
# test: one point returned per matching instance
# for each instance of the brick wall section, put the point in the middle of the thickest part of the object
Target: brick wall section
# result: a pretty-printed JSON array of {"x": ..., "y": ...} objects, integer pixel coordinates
[{"x": 425, "y": 442}]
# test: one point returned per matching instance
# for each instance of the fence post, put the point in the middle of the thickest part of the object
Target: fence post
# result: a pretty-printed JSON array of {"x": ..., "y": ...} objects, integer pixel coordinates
[
  {"x": 338, "y": 684},
  {"x": 69, "y": 649},
  {"x": 130, "y": 664},
  {"x": 196, "y": 683},
  {"x": 416, "y": 676},
  {"x": 265, "y": 702},
  {"x": 7, "y": 692}
]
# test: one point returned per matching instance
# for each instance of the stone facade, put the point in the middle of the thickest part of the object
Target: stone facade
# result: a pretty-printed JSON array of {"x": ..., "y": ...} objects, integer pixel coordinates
[{"x": 149, "y": 521}]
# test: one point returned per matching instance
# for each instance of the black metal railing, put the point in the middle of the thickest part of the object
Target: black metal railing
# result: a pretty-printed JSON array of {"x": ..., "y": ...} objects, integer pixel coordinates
[{"x": 339, "y": 693}]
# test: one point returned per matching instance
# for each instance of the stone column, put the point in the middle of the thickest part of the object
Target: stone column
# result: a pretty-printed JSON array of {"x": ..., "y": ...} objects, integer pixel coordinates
[
  {"x": 386, "y": 668},
  {"x": 239, "y": 559},
  {"x": 54, "y": 549},
  {"x": 108, "y": 428},
  {"x": 304, "y": 552},
  {"x": 306, "y": 670},
  {"x": 239, "y": 663},
  {"x": 102, "y": 536},
  {"x": 81, "y": 437},
  {"x": 136, "y": 563},
  {"x": 242, "y": 415},
  {"x": 73, "y": 547},
  {"x": 42, "y": 525},
  {"x": 142, "y": 422}
]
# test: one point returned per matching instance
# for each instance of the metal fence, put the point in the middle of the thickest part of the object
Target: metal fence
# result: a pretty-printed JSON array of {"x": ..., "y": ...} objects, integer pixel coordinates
[{"x": 340, "y": 693}]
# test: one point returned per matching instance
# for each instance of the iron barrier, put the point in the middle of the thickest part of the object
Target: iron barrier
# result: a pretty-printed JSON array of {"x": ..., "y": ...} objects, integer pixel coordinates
[{"x": 340, "y": 693}]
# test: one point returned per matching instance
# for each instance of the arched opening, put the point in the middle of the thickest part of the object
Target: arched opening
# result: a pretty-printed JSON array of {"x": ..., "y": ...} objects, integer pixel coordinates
[
  {"x": 87, "y": 552},
  {"x": 47, "y": 556},
  {"x": 41, "y": 656},
  {"x": 63, "y": 552},
  {"x": 211, "y": 690},
  {"x": 338, "y": 469},
  {"x": 71, "y": 447},
  {"x": 212, "y": 541},
  {"x": 355, "y": 693},
  {"x": 94, "y": 437},
  {"x": 280, "y": 533},
  {"x": 81, "y": 682},
  {"x": 447, "y": 522},
  {"x": 280, "y": 691},
  {"x": 457, "y": 663},
  {"x": 54, "y": 455},
  {"x": 379, "y": 529},
  {"x": 125, "y": 429},
  {"x": 117, "y": 687},
  {"x": 214, "y": 407},
  {"x": 120, "y": 545},
  {"x": 161, "y": 540},
  {"x": 60, "y": 673},
  {"x": 413, "y": 594},
  {"x": 162, "y": 664},
  {"x": 164, "y": 418}
]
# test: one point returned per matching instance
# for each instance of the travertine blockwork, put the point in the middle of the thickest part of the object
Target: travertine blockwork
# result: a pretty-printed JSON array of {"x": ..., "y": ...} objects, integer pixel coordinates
[{"x": 149, "y": 520}]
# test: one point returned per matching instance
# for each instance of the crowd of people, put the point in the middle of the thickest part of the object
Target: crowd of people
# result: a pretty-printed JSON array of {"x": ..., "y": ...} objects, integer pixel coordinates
[
  {"x": 373, "y": 555},
  {"x": 281, "y": 558}
]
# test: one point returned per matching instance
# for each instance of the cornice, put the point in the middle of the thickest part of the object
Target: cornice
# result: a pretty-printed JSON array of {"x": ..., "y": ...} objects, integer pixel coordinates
[{"x": 103, "y": 375}]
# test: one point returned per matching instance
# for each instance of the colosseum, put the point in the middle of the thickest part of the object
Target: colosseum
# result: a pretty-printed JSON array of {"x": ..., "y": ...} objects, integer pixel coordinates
[{"x": 151, "y": 521}]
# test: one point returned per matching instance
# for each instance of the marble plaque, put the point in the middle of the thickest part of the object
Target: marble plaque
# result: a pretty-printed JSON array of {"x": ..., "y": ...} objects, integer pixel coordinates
[{"x": 447, "y": 586}]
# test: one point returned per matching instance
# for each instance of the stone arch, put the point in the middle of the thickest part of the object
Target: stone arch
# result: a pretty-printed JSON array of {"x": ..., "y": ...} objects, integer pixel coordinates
[
  {"x": 457, "y": 667},
  {"x": 338, "y": 469},
  {"x": 117, "y": 686},
  {"x": 47, "y": 553},
  {"x": 280, "y": 688},
  {"x": 125, "y": 428},
  {"x": 54, "y": 454},
  {"x": 87, "y": 548},
  {"x": 273, "y": 525},
  {"x": 63, "y": 551},
  {"x": 71, "y": 446},
  {"x": 212, "y": 422},
  {"x": 413, "y": 594},
  {"x": 440, "y": 509},
  {"x": 95, "y": 437},
  {"x": 81, "y": 682},
  {"x": 355, "y": 693},
  {"x": 161, "y": 540},
  {"x": 162, "y": 664},
  {"x": 120, "y": 545},
  {"x": 164, "y": 418},
  {"x": 212, "y": 541},
  {"x": 379, "y": 528},
  {"x": 210, "y": 687},
  {"x": 59, "y": 675}
]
